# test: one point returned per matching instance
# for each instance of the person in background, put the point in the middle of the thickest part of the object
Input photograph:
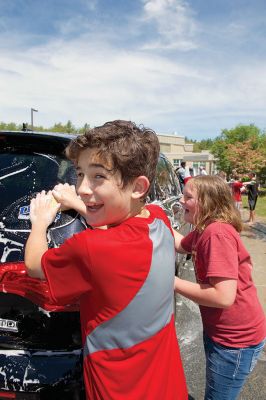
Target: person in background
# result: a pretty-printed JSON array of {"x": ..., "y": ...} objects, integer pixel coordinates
[
  {"x": 252, "y": 190},
  {"x": 222, "y": 175},
  {"x": 187, "y": 175},
  {"x": 234, "y": 326},
  {"x": 236, "y": 186},
  {"x": 123, "y": 275},
  {"x": 202, "y": 171},
  {"x": 181, "y": 174},
  {"x": 191, "y": 171}
]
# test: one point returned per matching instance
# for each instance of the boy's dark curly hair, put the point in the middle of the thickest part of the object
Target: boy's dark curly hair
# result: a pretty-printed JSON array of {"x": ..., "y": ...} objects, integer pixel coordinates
[{"x": 130, "y": 149}]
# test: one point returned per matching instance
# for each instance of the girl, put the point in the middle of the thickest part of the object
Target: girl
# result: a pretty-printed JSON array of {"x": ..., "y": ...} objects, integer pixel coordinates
[{"x": 233, "y": 320}]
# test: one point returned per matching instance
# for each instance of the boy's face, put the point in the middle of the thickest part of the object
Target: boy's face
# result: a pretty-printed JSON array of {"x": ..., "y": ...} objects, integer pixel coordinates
[{"x": 101, "y": 191}]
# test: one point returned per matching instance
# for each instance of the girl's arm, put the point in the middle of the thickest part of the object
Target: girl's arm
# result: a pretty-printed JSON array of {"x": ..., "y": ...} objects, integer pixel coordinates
[
  {"x": 178, "y": 237},
  {"x": 220, "y": 292}
]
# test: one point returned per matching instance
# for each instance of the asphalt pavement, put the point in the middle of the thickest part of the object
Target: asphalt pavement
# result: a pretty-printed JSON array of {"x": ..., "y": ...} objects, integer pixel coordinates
[{"x": 189, "y": 326}]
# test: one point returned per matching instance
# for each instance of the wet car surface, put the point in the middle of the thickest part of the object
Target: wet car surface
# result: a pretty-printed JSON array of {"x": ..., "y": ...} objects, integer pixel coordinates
[{"x": 40, "y": 343}]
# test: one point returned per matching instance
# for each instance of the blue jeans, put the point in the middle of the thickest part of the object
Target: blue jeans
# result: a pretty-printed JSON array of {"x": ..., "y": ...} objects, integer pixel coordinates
[{"x": 227, "y": 369}]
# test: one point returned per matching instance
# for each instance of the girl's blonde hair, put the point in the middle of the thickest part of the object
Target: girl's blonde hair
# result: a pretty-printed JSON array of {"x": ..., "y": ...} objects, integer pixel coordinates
[{"x": 215, "y": 202}]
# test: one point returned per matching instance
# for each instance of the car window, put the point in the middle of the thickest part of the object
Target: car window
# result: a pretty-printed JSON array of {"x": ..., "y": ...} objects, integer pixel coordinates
[
  {"x": 173, "y": 178},
  {"x": 22, "y": 175},
  {"x": 165, "y": 185}
]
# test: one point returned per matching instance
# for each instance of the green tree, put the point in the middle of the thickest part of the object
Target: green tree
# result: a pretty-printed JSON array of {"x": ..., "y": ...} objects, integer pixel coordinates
[
  {"x": 70, "y": 128},
  {"x": 219, "y": 150},
  {"x": 57, "y": 127},
  {"x": 240, "y": 133},
  {"x": 85, "y": 128},
  {"x": 10, "y": 126},
  {"x": 254, "y": 159},
  {"x": 242, "y": 148},
  {"x": 204, "y": 144}
]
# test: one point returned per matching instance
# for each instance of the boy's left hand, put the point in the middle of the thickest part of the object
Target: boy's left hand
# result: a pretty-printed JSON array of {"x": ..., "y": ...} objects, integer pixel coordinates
[{"x": 66, "y": 195}]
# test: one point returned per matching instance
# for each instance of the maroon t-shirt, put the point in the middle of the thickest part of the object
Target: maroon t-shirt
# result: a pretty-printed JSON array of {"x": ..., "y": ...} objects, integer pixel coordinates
[{"x": 219, "y": 252}]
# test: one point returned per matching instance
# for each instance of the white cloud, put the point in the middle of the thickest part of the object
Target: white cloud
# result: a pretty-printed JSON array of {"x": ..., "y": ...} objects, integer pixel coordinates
[
  {"x": 91, "y": 82},
  {"x": 96, "y": 77},
  {"x": 174, "y": 22}
]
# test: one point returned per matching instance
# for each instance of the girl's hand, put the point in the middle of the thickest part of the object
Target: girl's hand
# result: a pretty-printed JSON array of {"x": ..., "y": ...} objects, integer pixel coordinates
[{"x": 43, "y": 209}]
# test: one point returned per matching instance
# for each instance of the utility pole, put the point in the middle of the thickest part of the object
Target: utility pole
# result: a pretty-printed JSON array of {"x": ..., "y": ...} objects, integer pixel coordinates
[{"x": 32, "y": 110}]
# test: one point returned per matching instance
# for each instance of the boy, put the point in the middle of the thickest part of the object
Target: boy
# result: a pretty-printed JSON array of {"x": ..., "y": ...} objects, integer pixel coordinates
[{"x": 123, "y": 275}]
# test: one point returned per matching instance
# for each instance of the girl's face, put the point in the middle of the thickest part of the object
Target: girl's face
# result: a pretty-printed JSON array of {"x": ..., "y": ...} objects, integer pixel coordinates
[{"x": 189, "y": 202}]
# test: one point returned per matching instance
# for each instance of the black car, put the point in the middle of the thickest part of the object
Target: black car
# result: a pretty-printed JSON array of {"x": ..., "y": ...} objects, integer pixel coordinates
[{"x": 40, "y": 342}]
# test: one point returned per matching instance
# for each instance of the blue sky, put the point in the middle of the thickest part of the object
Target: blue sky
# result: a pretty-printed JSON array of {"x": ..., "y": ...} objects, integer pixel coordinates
[{"x": 193, "y": 67}]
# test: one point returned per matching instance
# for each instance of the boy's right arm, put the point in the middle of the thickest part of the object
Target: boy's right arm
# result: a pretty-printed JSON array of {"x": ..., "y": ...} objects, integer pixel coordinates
[{"x": 43, "y": 210}]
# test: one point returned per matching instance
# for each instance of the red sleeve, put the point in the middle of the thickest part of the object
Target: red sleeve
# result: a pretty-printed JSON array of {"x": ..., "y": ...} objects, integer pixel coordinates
[
  {"x": 220, "y": 255},
  {"x": 67, "y": 270}
]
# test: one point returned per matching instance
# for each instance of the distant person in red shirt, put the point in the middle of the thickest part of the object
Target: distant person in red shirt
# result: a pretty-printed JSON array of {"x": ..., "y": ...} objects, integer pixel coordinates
[
  {"x": 233, "y": 319},
  {"x": 123, "y": 275},
  {"x": 236, "y": 186}
]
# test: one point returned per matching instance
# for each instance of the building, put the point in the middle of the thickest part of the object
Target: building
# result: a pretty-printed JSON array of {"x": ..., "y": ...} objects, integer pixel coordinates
[{"x": 176, "y": 150}]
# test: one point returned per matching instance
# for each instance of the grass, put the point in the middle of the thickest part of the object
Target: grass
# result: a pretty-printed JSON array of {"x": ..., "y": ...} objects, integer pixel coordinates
[{"x": 260, "y": 206}]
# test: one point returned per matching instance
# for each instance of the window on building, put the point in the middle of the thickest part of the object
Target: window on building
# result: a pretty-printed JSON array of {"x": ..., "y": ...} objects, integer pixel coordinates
[
  {"x": 177, "y": 162},
  {"x": 198, "y": 164}
]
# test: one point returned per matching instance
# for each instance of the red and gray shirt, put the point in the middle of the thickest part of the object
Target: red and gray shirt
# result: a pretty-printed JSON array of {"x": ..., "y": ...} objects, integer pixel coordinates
[{"x": 123, "y": 278}]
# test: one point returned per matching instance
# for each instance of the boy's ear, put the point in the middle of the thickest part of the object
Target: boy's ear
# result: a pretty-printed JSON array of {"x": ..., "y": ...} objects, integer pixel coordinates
[{"x": 140, "y": 187}]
